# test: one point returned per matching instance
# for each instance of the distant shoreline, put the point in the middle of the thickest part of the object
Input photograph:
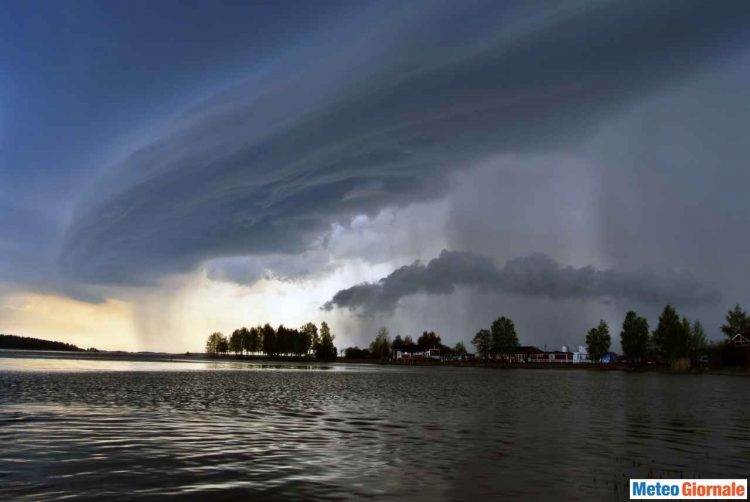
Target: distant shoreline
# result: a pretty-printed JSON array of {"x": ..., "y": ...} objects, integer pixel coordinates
[
  {"x": 202, "y": 357},
  {"x": 15, "y": 342}
]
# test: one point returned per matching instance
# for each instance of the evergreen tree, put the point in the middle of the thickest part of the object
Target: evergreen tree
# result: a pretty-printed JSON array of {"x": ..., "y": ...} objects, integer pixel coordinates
[
  {"x": 738, "y": 322},
  {"x": 671, "y": 335}
]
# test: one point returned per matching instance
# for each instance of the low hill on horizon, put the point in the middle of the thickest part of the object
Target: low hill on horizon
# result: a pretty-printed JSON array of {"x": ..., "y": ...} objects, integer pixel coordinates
[{"x": 28, "y": 343}]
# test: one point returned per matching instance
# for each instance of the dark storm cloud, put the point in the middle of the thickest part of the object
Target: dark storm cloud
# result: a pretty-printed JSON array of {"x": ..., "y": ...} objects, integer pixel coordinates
[
  {"x": 266, "y": 168},
  {"x": 535, "y": 275},
  {"x": 248, "y": 270},
  {"x": 27, "y": 256}
]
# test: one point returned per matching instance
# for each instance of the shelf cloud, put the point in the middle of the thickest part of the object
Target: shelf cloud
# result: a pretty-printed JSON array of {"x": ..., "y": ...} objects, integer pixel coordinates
[
  {"x": 266, "y": 167},
  {"x": 535, "y": 275}
]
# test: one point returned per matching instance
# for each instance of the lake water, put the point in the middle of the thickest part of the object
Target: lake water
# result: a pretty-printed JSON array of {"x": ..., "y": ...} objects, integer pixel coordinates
[{"x": 93, "y": 428}]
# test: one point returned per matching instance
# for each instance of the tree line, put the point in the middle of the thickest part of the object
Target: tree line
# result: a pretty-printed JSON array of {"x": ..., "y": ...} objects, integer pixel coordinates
[
  {"x": 675, "y": 340},
  {"x": 305, "y": 341},
  {"x": 382, "y": 347}
]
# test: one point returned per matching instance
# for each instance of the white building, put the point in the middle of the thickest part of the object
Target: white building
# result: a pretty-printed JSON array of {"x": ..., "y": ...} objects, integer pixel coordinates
[
  {"x": 426, "y": 354},
  {"x": 582, "y": 356}
]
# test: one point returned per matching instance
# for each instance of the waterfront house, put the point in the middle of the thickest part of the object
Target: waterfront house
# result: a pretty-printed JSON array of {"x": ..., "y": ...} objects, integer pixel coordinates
[
  {"x": 581, "y": 356},
  {"x": 561, "y": 356},
  {"x": 418, "y": 355},
  {"x": 524, "y": 353},
  {"x": 739, "y": 341},
  {"x": 554, "y": 357}
]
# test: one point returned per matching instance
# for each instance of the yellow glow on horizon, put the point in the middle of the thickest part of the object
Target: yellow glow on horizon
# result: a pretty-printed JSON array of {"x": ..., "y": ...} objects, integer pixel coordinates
[
  {"x": 178, "y": 314},
  {"x": 105, "y": 326}
]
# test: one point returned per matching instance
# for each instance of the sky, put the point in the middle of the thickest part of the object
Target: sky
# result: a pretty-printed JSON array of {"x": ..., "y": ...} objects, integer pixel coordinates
[{"x": 169, "y": 169}]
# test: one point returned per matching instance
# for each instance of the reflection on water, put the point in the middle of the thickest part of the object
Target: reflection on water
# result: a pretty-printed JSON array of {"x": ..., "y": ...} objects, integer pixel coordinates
[
  {"x": 446, "y": 433},
  {"x": 22, "y": 360}
]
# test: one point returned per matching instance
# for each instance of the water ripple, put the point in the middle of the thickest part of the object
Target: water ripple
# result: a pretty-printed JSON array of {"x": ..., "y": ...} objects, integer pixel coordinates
[{"x": 433, "y": 433}]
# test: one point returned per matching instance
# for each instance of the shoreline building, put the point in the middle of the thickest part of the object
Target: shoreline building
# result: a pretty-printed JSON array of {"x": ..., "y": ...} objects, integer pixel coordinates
[
  {"x": 418, "y": 355},
  {"x": 581, "y": 356},
  {"x": 531, "y": 354}
]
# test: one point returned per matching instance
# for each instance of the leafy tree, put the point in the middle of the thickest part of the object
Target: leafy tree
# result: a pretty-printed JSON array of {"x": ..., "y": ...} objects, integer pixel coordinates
[
  {"x": 671, "y": 335},
  {"x": 697, "y": 341},
  {"x": 299, "y": 342},
  {"x": 213, "y": 344},
  {"x": 409, "y": 345},
  {"x": 446, "y": 351},
  {"x": 294, "y": 345},
  {"x": 504, "y": 339},
  {"x": 235, "y": 342},
  {"x": 398, "y": 343},
  {"x": 634, "y": 336},
  {"x": 245, "y": 339},
  {"x": 223, "y": 346},
  {"x": 269, "y": 339},
  {"x": 381, "y": 346},
  {"x": 311, "y": 337},
  {"x": 283, "y": 340},
  {"x": 737, "y": 322},
  {"x": 356, "y": 353},
  {"x": 483, "y": 343},
  {"x": 459, "y": 349},
  {"x": 289, "y": 341},
  {"x": 255, "y": 343},
  {"x": 325, "y": 350},
  {"x": 428, "y": 340},
  {"x": 598, "y": 341}
]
